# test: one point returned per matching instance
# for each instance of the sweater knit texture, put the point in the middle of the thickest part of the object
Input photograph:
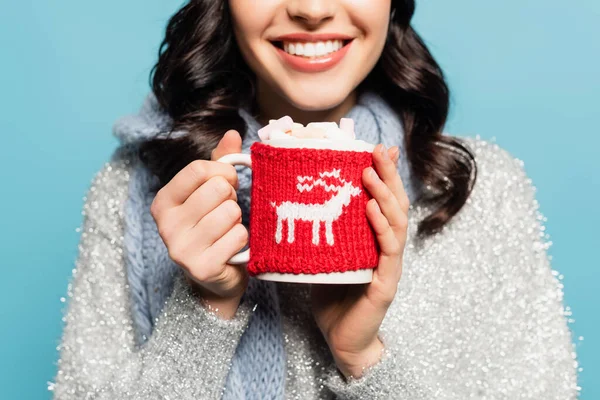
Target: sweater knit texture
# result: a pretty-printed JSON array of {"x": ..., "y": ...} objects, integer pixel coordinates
[
  {"x": 258, "y": 369},
  {"x": 478, "y": 312}
]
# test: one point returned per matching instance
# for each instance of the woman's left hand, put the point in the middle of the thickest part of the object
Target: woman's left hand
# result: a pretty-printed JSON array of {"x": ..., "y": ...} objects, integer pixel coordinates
[{"x": 349, "y": 316}]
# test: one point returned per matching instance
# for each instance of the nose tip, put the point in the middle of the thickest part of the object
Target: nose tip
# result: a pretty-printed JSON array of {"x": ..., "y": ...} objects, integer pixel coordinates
[{"x": 311, "y": 12}]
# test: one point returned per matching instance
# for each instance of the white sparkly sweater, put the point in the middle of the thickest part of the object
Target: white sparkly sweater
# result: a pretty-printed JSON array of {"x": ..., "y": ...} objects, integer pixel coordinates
[{"x": 478, "y": 313}]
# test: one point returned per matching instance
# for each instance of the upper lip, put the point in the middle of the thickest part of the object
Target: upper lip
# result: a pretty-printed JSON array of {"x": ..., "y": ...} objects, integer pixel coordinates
[{"x": 311, "y": 37}]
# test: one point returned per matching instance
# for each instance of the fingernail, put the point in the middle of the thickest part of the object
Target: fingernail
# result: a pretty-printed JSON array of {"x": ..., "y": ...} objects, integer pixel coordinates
[
  {"x": 396, "y": 154},
  {"x": 373, "y": 173},
  {"x": 384, "y": 153},
  {"x": 377, "y": 208}
]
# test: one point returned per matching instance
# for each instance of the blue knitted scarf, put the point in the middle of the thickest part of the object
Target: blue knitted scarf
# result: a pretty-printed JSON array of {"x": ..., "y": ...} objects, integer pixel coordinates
[{"x": 258, "y": 367}]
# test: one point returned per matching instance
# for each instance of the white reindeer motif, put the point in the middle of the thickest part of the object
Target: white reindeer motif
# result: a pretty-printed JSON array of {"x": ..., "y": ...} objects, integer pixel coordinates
[{"x": 327, "y": 212}]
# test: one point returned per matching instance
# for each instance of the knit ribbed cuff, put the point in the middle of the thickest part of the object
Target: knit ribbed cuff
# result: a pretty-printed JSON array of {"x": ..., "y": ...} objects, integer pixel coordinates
[{"x": 388, "y": 379}]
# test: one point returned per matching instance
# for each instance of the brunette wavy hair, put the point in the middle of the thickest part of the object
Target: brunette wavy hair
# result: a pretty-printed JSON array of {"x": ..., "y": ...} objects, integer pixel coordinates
[{"x": 201, "y": 80}]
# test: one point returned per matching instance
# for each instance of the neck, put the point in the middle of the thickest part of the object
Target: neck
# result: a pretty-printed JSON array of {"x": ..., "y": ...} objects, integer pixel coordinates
[{"x": 272, "y": 105}]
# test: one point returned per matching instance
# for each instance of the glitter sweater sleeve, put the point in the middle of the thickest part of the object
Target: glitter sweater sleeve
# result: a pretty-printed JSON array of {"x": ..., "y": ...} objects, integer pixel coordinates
[
  {"x": 479, "y": 312},
  {"x": 190, "y": 351}
]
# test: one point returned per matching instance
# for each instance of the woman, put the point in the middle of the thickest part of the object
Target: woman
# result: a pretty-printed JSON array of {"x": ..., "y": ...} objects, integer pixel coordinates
[{"x": 463, "y": 303}]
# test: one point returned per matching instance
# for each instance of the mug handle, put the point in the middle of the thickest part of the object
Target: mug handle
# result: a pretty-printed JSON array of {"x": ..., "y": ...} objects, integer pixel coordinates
[{"x": 238, "y": 159}]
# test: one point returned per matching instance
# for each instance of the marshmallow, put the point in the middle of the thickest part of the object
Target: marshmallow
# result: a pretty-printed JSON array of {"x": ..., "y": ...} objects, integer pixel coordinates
[
  {"x": 309, "y": 132},
  {"x": 276, "y": 134},
  {"x": 286, "y": 128},
  {"x": 282, "y": 124}
]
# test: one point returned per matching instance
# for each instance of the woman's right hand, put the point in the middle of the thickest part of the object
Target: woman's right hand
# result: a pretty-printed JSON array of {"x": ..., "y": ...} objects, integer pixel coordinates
[{"x": 199, "y": 220}]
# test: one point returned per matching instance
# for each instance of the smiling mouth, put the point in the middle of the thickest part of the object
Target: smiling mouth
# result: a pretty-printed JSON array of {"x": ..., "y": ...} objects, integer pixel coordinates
[{"x": 311, "y": 50}]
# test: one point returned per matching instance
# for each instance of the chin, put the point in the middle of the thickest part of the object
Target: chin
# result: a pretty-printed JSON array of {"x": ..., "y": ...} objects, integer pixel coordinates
[{"x": 316, "y": 99}]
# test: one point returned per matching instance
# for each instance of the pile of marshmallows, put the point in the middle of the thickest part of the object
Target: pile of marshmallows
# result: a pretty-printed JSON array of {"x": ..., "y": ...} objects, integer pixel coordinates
[{"x": 286, "y": 128}]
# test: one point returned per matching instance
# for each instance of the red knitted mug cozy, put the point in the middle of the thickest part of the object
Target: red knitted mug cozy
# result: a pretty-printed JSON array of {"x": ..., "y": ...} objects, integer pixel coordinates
[{"x": 308, "y": 211}]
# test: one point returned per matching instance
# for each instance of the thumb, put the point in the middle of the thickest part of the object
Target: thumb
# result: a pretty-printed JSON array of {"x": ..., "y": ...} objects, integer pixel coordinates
[{"x": 230, "y": 143}]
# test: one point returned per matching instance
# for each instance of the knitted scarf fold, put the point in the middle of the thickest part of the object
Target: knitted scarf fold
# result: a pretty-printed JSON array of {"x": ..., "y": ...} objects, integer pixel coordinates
[{"x": 259, "y": 365}]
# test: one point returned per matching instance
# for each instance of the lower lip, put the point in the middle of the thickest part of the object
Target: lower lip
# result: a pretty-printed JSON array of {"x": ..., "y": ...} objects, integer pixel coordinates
[{"x": 318, "y": 64}]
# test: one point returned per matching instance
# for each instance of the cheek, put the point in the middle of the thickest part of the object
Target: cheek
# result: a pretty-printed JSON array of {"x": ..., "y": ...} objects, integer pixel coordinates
[
  {"x": 250, "y": 19},
  {"x": 371, "y": 16}
]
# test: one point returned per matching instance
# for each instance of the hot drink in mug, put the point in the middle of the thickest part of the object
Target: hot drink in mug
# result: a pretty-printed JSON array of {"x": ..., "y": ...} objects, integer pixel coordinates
[{"x": 308, "y": 218}]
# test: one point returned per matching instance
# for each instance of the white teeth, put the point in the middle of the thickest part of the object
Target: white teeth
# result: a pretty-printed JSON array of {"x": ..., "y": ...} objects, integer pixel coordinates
[
  {"x": 320, "y": 49},
  {"x": 309, "y": 50},
  {"x": 329, "y": 46},
  {"x": 312, "y": 49}
]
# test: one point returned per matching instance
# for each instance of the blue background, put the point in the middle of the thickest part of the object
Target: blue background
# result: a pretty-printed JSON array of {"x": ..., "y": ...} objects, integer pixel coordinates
[{"x": 522, "y": 71}]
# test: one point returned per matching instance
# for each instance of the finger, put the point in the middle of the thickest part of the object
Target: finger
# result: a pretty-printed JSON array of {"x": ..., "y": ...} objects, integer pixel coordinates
[
  {"x": 394, "y": 153},
  {"x": 213, "y": 259},
  {"x": 228, "y": 245},
  {"x": 206, "y": 198},
  {"x": 190, "y": 178},
  {"x": 230, "y": 143},
  {"x": 385, "y": 161},
  {"x": 386, "y": 201},
  {"x": 388, "y": 242},
  {"x": 389, "y": 268},
  {"x": 216, "y": 223}
]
